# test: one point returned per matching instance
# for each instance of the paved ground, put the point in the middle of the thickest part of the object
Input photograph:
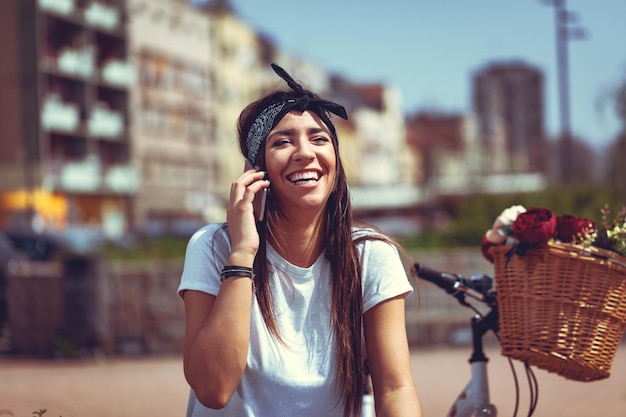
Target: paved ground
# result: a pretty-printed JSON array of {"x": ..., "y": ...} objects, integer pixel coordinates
[{"x": 155, "y": 387}]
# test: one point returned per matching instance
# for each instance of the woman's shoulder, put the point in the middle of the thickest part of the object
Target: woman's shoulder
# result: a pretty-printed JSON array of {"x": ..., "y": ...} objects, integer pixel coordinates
[
  {"x": 363, "y": 233},
  {"x": 210, "y": 233},
  {"x": 371, "y": 241}
]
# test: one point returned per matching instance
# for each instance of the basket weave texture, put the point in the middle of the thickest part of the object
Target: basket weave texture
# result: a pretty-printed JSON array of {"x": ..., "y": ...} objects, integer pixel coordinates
[{"x": 562, "y": 308}]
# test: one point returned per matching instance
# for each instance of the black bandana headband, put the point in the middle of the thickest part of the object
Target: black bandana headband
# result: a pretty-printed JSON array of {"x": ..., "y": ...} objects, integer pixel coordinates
[{"x": 271, "y": 115}]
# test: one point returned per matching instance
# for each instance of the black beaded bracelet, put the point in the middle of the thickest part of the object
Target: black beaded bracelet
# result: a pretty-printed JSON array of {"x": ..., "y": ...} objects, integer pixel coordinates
[{"x": 230, "y": 271}]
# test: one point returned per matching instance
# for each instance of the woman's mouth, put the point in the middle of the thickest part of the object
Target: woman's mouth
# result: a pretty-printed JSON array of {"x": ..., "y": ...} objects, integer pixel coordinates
[{"x": 304, "y": 177}]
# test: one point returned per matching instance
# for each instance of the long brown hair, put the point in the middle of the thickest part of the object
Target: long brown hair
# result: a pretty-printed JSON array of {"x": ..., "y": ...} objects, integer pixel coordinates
[{"x": 341, "y": 252}]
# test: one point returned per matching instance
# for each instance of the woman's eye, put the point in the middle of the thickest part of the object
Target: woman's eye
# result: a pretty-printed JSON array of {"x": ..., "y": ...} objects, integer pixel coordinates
[
  {"x": 321, "y": 139},
  {"x": 280, "y": 142}
]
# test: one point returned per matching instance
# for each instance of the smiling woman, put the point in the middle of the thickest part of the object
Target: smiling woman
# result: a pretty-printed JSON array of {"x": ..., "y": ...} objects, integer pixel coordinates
[{"x": 283, "y": 314}]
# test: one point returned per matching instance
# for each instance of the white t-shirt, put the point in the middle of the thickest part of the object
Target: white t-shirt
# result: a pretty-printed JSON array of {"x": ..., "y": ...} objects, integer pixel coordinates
[{"x": 295, "y": 378}]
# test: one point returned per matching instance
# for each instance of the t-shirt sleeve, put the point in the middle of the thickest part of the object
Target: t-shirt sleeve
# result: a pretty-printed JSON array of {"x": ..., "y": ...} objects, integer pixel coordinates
[
  {"x": 205, "y": 257},
  {"x": 384, "y": 275}
]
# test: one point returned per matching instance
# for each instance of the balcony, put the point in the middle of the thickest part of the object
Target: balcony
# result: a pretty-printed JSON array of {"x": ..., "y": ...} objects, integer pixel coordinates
[
  {"x": 59, "y": 115},
  {"x": 122, "y": 178},
  {"x": 101, "y": 15},
  {"x": 104, "y": 122},
  {"x": 91, "y": 175},
  {"x": 77, "y": 62},
  {"x": 118, "y": 73},
  {"x": 80, "y": 176},
  {"x": 64, "y": 7}
]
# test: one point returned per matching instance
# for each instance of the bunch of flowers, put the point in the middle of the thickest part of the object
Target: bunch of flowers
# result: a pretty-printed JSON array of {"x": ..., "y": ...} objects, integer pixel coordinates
[{"x": 537, "y": 227}]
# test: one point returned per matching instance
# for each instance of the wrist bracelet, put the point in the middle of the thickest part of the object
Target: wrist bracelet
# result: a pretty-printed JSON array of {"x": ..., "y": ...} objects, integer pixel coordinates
[{"x": 230, "y": 271}]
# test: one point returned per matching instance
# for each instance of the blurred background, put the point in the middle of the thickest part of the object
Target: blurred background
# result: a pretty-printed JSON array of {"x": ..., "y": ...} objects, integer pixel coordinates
[{"x": 117, "y": 131}]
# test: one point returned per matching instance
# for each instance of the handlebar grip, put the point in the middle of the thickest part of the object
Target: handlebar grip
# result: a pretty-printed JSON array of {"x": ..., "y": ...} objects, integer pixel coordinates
[{"x": 443, "y": 280}]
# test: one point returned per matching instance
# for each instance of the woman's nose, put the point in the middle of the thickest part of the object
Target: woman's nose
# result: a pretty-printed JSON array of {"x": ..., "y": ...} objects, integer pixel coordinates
[{"x": 303, "y": 151}]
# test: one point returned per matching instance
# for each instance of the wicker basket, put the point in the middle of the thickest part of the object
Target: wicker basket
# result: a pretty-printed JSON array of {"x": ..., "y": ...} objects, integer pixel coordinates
[{"x": 562, "y": 308}]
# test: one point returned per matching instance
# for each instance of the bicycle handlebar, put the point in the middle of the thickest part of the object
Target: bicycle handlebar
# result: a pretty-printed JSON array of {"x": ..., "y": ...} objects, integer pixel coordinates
[
  {"x": 443, "y": 280},
  {"x": 478, "y": 286}
]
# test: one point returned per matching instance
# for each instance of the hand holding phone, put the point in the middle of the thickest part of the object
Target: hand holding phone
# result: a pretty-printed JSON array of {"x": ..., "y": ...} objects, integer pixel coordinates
[{"x": 259, "y": 198}]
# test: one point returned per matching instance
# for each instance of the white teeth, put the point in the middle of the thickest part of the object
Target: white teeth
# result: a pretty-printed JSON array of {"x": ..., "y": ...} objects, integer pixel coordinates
[{"x": 304, "y": 176}]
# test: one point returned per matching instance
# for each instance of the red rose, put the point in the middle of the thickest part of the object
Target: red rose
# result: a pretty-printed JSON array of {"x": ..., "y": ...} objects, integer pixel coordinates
[
  {"x": 536, "y": 226},
  {"x": 569, "y": 227}
]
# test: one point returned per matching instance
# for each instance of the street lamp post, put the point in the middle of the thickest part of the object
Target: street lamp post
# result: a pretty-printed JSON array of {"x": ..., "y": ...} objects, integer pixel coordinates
[
  {"x": 564, "y": 32},
  {"x": 560, "y": 15}
]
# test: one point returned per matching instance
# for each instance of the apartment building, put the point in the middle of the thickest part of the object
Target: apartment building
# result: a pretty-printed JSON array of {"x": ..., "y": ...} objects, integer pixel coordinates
[
  {"x": 509, "y": 106},
  {"x": 451, "y": 161},
  {"x": 378, "y": 155},
  {"x": 242, "y": 66},
  {"x": 174, "y": 115},
  {"x": 64, "y": 116}
]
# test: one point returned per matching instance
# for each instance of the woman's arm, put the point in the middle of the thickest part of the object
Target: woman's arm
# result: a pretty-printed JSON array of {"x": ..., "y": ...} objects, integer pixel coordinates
[
  {"x": 388, "y": 355},
  {"x": 216, "y": 340},
  {"x": 217, "y": 332}
]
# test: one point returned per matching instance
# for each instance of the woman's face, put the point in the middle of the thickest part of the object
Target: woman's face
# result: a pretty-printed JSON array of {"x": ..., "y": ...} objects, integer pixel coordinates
[{"x": 300, "y": 161}]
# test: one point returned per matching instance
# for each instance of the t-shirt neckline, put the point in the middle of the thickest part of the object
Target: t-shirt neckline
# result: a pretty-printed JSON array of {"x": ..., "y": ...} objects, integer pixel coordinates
[{"x": 276, "y": 260}]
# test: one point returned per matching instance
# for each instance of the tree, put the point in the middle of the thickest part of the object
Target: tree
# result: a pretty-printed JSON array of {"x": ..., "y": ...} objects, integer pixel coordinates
[
  {"x": 615, "y": 174},
  {"x": 620, "y": 104},
  {"x": 582, "y": 161}
]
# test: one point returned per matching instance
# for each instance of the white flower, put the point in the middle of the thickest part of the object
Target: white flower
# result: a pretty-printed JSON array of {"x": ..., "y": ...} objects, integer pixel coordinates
[{"x": 500, "y": 231}]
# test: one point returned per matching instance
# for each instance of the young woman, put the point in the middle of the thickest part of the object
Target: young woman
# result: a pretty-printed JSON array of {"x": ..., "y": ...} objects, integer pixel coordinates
[{"x": 282, "y": 314}]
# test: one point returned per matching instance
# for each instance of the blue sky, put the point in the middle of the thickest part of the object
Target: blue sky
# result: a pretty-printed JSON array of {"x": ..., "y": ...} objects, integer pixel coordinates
[{"x": 429, "y": 50}]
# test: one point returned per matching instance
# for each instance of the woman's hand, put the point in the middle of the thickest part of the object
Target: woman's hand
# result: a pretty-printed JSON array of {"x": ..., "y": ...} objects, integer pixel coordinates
[{"x": 240, "y": 216}]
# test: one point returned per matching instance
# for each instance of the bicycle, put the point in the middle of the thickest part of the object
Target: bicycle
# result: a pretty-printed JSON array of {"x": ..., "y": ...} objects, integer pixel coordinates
[{"x": 474, "y": 399}]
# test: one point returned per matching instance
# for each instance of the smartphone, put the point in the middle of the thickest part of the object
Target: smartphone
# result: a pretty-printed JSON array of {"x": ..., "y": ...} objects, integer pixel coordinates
[{"x": 259, "y": 198}]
